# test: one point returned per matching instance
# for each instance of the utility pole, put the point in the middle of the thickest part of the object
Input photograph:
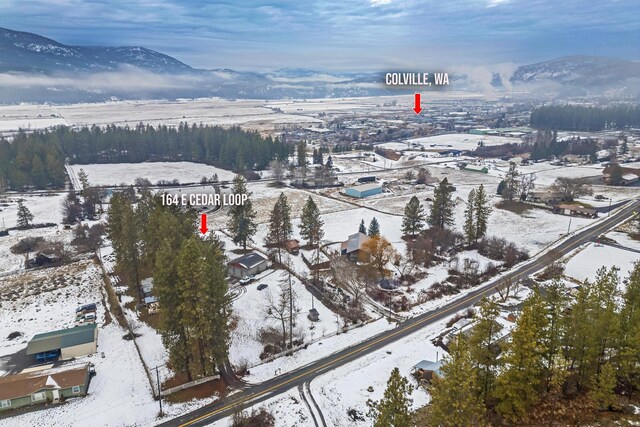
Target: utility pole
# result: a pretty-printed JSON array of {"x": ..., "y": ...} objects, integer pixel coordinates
[
  {"x": 569, "y": 228},
  {"x": 609, "y": 213},
  {"x": 159, "y": 391}
]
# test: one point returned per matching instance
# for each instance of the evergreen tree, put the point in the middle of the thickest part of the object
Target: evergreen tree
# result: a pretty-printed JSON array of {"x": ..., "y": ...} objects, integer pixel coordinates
[
  {"x": 83, "y": 178},
  {"x": 441, "y": 214},
  {"x": 483, "y": 345},
  {"x": 24, "y": 215},
  {"x": 518, "y": 386},
  {"x": 374, "y": 228},
  {"x": 512, "y": 183},
  {"x": 602, "y": 392},
  {"x": 302, "y": 153},
  {"x": 329, "y": 163},
  {"x": 629, "y": 347},
  {"x": 394, "y": 408},
  {"x": 482, "y": 212},
  {"x": 363, "y": 228},
  {"x": 242, "y": 217},
  {"x": 311, "y": 223},
  {"x": 280, "y": 227},
  {"x": 555, "y": 302},
  {"x": 469, "y": 226},
  {"x": 413, "y": 222},
  {"x": 456, "y": 397},
  {"x": 123, "y": 231}
]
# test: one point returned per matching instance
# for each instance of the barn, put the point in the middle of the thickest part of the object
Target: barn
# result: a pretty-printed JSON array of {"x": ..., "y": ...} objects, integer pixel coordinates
[
  {"x": 65, "y": 343},
  {"x": 363, "y": 190}
]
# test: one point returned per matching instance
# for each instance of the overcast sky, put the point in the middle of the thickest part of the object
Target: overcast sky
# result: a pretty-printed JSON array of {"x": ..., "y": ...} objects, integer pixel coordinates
[{"x": 367, "y": 35}]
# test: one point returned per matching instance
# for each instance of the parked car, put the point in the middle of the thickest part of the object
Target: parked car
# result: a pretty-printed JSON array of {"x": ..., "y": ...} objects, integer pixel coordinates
[
  {"x": 246, "y": 280},
  {"x": 262, "y": 286},
  {"x": 90, "y": 318},
  {"x": 87, "y": 308}
]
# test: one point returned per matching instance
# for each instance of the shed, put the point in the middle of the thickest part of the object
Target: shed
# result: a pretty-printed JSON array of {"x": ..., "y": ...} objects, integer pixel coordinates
[
  {"x": 476, "y": 168},
  {"x": 247, "y": 265},
  {"x": 313, "y": 315},
  {"x": 364, "y": 190},
  {"x": 44, "y": 386},
  {"x": 427, "y": 369},
  {"x": 67, "y": 343}
]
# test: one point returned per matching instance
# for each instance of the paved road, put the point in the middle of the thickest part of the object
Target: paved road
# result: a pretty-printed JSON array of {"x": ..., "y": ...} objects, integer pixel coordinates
[{"x": 280, "y": 384}]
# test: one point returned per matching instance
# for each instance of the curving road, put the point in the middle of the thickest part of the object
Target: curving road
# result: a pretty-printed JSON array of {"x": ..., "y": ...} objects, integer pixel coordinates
[{"x": 280, "y": 384}]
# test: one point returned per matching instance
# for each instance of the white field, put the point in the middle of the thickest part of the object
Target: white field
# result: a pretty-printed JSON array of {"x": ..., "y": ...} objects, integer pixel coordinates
[
  {"x": 45, "y": 207},
  {"x": 586, "y": 262},
  {"x": 126, "y": 173}
]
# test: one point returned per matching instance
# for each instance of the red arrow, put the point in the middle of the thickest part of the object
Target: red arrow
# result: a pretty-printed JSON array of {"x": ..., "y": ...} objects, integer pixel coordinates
[
  {"x": 203, "y": 223},
  {"x": 416, "y": 107}
]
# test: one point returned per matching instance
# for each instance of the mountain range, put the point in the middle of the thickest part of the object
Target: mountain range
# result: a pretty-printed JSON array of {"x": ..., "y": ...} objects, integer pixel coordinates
[{"x": 36, "y": 69}]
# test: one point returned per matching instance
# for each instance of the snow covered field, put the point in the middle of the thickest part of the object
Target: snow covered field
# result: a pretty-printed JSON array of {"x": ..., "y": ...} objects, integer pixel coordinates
[
  {"x": 126, "y": 173},
  {"x": 45, "y": 207},
  {"x": 585, "y": 263},
  {"x": 10, "y": 262}
]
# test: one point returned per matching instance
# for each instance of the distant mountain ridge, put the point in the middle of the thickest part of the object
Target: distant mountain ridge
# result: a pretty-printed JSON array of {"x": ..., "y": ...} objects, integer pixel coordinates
[
  {"x": 28, "y": 52},
  {"x": 65, "y": 73}
]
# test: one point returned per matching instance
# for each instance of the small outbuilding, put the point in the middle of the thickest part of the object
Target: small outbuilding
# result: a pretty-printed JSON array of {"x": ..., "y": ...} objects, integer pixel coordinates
[
  {"x": 427, "y": 370},
  {"x": 476, "y": 168},
  {"x": 313, "y": 315},
  {"x": 247, "y": 265},
  {"x": 65, "y": 343},
  {"x": 364, "y": 190}
]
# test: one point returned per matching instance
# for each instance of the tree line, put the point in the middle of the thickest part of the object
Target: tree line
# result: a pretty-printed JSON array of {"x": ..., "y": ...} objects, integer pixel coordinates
[
  {"x": 36, "y": 159},
  {"x": 560, "y": 351},
  {"x": 188, "y": 278},
  {"x": 582, "y": 118}
]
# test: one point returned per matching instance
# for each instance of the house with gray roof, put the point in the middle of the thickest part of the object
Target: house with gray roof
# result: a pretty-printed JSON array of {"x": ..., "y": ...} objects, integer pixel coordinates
[{"x": 247, "y": 265}]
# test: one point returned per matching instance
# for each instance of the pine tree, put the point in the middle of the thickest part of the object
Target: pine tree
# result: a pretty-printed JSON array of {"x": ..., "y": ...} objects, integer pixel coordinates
[
  {"x": 83, "y": 178},
  {"x": 441, "y": 214},
  {"x": 24, "y": 215},
  {"x": 311, "y": 223},
  {"x": 512, "y": 183},
  {"x": 329, "y": 163},
  {"x": 469, "y": 226},
  {"x": 363, "y": 228},
  {"x": 242, "y": 217},
  {"x": 555, "y": 301},
  {"x": 394, "y": 408},
  {"x": 413, "y": 221},
  {"x": 518, "y": 386},
  {"x": 482, "y": 212},
  {"x": 483, "y": 345},
  {"x": 602, "y": 393},
  {"x": 280, "y": 227},
  {"x": 456, "y": 396},
  {"x": 374, "y": 228},
  {"x": 629, "y": 347},
  {"x": 302, "y": 153}
]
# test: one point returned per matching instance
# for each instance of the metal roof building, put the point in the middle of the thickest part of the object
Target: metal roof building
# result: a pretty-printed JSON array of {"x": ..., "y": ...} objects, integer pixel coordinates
[
  {"x": 69, "y": 343},
  {"x": 363, "y": 190},
  {"x": 246, "y": 265}
]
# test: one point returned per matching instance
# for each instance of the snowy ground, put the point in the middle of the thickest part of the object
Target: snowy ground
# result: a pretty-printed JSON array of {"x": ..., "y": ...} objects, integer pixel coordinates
[
  {"x": 44, "y": 300},
  {"x": 45, "y": 207},
  {"x": 10, "y": 262},
  {"x": 251, "y": 309},
  {"x": 126, "y": 173},
  {"x": 585, "y": 263}
]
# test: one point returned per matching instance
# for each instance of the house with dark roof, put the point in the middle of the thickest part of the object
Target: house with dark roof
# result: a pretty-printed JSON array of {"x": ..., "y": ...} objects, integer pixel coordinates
[
  {"x": 44, "y": 386},
  {"x": 65, "y": 343},
  {"x": 247, "y": 265},
  {"x": 354, "y": 246}
]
